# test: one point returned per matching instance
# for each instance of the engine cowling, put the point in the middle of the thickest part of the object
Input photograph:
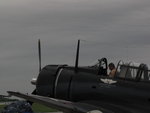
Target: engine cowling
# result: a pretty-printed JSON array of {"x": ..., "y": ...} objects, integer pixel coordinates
[
  {"x": 46, "y": 79},
  {"x": 64, "y": 83}
]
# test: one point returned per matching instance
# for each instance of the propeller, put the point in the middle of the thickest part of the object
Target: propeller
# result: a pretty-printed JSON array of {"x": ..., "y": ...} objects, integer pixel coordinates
[
  {"x": 77, "y": 56},
  {"x": 39, "y": 51},
  {"x": 35, "y": 79}
]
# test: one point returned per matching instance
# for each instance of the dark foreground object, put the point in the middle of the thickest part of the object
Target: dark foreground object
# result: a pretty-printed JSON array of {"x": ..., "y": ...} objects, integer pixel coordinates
[{"x": 18, "y": 107}]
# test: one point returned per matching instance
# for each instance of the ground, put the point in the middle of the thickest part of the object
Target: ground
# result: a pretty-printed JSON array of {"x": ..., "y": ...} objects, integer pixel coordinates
[{"x": 36, "y": 108}]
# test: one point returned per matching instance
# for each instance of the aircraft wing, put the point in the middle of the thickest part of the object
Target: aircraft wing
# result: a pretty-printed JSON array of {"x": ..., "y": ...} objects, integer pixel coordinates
[{"x": 62, "y": 105}]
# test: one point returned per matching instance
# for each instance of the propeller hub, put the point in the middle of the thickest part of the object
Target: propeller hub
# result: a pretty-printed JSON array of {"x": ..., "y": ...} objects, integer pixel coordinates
[{"x": 33, "y": 81}]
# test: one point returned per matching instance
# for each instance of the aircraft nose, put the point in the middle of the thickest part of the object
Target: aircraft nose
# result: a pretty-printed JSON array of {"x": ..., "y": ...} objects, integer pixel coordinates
[{"x": 33, "y": 81}]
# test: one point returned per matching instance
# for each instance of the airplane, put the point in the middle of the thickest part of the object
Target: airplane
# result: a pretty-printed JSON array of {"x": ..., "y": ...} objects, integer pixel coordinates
[{"x": 89, "y": 89}]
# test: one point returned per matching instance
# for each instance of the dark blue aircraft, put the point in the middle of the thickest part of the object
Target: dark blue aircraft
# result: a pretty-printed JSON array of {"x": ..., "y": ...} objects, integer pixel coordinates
[{"x": 89, "y": 89}]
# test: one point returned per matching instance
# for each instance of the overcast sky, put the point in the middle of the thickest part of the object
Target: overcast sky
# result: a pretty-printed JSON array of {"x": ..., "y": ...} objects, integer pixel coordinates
[{"x": 115, "y": 29}]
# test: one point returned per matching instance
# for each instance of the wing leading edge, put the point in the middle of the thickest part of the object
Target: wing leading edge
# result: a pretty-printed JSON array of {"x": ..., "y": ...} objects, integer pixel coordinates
[{"x": 65, "y": 106}]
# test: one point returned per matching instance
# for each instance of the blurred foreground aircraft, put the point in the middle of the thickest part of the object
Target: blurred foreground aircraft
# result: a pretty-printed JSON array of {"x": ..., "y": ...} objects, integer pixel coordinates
[{"x": 89, "y": 89}]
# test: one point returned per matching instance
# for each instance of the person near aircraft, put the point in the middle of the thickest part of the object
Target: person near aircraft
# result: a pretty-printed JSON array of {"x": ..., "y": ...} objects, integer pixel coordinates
[{"x": 112, "y": 69}]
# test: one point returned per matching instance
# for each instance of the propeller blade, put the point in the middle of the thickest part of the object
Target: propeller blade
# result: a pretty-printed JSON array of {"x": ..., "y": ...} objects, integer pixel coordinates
[
  {"x": 39, "y": 51},
  {"x": 77, "y": 57}
]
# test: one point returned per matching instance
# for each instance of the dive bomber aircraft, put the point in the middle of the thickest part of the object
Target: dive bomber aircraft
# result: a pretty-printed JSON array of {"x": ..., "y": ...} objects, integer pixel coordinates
[{"x": 89, "y": 89}]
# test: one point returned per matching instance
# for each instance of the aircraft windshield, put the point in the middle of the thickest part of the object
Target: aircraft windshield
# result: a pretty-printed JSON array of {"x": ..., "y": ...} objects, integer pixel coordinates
[
  {"x": 100, "y": 62},
  {"x": 94, "y": 64}
]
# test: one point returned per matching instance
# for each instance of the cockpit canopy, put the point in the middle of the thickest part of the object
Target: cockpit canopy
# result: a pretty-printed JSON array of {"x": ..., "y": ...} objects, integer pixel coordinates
[
  {"x": 134, "y": 71},
  {"x": 129, "y": 71}
]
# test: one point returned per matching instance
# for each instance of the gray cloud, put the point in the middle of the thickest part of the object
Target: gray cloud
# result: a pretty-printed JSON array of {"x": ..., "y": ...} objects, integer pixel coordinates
[{"x": 116, "y": 29}]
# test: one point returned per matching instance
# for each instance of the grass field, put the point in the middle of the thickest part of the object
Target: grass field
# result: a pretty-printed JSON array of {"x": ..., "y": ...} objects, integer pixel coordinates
[
  {"x": 1, "y": 107},
  {"x": 41, "y": 108},
  {"x": 36, "y": 108}
]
